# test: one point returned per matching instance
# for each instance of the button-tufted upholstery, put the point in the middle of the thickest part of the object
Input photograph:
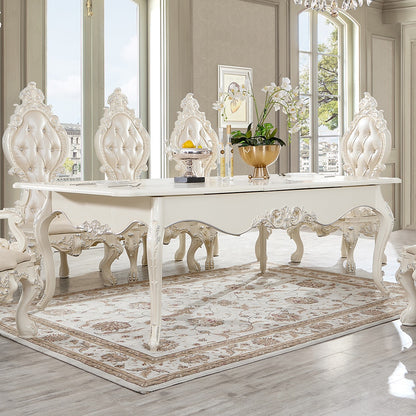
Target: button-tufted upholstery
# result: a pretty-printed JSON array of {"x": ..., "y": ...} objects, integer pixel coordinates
[
  {"x": 366, "y": 146},
  {"x": 36, "y": 146},
  {"x": 123, "y": 147},
  {"x": 122, "y": 144}
]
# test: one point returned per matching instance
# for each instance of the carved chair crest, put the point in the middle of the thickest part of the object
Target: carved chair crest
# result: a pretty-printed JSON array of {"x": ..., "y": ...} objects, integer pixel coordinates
[
  {"x": 36, "y": 145},
  {"x": 367, "y": 144},
  {"x": 191, "y": 124},
  {"x": 122, "y": 144}
]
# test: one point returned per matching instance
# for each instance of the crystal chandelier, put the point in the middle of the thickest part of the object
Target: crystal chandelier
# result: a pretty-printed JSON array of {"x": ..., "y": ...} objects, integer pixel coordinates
[{"x": 332, "y": 6}]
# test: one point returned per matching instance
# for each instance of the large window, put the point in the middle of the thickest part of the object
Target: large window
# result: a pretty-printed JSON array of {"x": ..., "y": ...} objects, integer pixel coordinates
[
  {"x": 321, "y": 76},
  {"x": 90, "y": 52}
]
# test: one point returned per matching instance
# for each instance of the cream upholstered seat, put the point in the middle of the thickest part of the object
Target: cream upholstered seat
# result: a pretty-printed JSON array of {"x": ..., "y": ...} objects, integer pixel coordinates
[
  {"x": 191, "y": 124},
  {"x": 36, "y": 145},
  {"x": 364, "y": 150},
  {"x": 122, "y": 146},
  {"x": 16, "y": 265}
]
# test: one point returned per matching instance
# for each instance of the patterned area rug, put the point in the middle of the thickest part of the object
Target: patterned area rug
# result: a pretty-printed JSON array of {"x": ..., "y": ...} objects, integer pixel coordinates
[{"x": 211, "y": 321}]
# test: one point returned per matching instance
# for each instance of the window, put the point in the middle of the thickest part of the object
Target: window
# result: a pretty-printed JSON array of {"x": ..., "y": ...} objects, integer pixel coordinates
[
  {"x": 87, "y": 58},
  {"x": 321, "y": 79}
]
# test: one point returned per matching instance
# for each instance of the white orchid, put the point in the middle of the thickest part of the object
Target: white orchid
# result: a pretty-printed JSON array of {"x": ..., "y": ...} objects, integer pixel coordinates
[{"x": 278, "y": 98}]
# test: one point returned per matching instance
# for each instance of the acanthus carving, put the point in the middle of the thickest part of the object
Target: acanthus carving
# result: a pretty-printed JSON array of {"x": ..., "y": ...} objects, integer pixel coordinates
[{"x": 285, "y": 218}]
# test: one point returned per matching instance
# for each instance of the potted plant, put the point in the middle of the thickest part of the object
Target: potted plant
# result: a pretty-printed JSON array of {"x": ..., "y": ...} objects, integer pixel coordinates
[{"x": 260, "y": 146}]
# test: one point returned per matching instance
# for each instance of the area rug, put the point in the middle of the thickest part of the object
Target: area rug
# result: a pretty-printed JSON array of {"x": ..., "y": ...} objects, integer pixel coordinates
[{"x": 212, "y": 321}]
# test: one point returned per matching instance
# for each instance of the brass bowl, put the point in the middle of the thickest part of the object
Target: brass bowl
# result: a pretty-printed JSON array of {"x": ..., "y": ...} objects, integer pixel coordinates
[{"x": 260, "y": 157}]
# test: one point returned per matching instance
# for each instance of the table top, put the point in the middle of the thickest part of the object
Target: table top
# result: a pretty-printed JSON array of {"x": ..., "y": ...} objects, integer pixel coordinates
[{"x": 213, "y": 185}]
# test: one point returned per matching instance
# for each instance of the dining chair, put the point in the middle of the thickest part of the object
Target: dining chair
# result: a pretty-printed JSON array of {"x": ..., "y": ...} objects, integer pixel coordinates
[
  {"x": 17, "y": 265},
  {"x": 406, "y": 276},
  {"x": 36, "y": 146},
  {"x": 191, "y": 124},
  {"x": 122, "y": 146},
  {"x": 365, "y": 148}
]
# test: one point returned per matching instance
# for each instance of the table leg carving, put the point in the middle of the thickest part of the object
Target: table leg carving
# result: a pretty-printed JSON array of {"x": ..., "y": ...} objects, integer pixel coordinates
[{"x": 154, "y": 255}]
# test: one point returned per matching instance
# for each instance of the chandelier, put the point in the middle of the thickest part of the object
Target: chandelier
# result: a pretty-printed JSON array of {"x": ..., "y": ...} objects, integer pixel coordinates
[{"x": 332, "y": 6}]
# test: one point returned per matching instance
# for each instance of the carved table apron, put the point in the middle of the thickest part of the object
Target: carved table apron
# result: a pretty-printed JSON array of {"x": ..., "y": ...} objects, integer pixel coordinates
[{"x": 233, "y": 208}]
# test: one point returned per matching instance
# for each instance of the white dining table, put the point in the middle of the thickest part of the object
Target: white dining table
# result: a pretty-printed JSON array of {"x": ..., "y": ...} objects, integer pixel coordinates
[{"x": 232, "y": 207}]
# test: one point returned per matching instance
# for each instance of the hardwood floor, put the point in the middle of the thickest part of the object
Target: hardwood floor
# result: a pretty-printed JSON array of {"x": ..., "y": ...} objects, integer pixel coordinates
[{"x": 371, "y": 372}]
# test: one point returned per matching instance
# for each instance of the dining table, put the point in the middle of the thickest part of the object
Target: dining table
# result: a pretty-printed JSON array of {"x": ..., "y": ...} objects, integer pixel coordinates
[{"x": 233, "y": 206}]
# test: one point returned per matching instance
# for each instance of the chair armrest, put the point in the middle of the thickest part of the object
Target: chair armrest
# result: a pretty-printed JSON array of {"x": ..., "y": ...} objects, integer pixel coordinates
[{"x": 13, "y": 220}]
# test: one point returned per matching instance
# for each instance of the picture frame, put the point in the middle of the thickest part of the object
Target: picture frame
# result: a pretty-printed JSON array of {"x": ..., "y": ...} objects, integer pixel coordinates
[{"x": 240, "y": 115}]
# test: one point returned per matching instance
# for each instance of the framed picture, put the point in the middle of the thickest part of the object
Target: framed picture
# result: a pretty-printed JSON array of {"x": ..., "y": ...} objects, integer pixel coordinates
[{"x": 238, "y": 114}]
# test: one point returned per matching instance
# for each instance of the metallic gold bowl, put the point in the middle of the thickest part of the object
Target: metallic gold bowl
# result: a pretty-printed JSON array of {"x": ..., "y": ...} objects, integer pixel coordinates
[{"x": 260, "y": 157}]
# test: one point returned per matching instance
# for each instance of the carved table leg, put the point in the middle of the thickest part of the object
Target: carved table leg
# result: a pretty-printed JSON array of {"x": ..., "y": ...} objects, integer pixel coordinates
[
  {"x": 385, "y": 228},
  {"x": 112, "y": 251},
  {"x": 41, "y": 226},
  {"x": 63, "y": 268},
  {"x": 180, "y": 252},
  {"x": 154, "y": 255},
  {"x": 30, "y": 288},
  {"x": 294, "y": 234}
]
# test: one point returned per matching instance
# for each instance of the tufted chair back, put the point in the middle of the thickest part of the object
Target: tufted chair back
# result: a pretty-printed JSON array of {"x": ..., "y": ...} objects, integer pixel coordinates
[
  {"x": 367, "y": 144},
  {"x": 191, "y": 124},
  {"x": 35, "y": 145},
  {"x": 122, "y": 144}
]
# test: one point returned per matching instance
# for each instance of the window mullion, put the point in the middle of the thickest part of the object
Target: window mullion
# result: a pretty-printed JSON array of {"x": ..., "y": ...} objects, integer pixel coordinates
[{"x": 314, "y": 165}]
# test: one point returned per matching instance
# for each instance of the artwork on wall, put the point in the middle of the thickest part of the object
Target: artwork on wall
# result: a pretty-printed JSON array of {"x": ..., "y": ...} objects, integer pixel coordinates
[{"x": 239, "y": 112}]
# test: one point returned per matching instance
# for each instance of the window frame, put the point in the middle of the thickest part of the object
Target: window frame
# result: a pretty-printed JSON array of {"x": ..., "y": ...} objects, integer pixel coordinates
[
  {"x": 93, "y": 78},
  {"x": 351, "y": 77}
]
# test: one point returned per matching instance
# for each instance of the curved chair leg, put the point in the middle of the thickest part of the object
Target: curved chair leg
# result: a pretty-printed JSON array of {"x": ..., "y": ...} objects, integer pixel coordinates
[
  {"x": 63, "y": 268},
  {"x": 210, "y": 240},
  {"x": 180, "y": 252},
  {"x": 407, "y": 280},
  {"x": 216, "y": 246},
  {"x": 132, "y": 253},
  {"x": 261, "y": 247},
  {"x": 112, "y": 251},
  {"x": 144, "y": 255},
  {"x": 350, "y": 237},
  {"x": 343, "y": 248},
  {"x": 294, "y": 234},
  {"x": 193, "y": 265}
]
